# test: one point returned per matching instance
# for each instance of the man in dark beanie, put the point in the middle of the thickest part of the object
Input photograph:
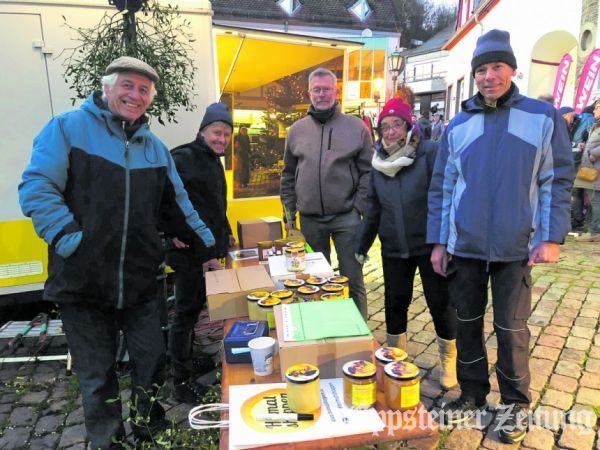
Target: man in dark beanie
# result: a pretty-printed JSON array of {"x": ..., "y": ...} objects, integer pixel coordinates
[
  {"x": 203, "y": 176},
  {"x": 498, "y": 204},
  {"x": 99, "y": 187}
]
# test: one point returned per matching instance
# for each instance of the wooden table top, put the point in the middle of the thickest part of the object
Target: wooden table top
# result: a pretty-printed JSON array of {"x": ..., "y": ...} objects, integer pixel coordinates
[{"x": 397, "y": 427}]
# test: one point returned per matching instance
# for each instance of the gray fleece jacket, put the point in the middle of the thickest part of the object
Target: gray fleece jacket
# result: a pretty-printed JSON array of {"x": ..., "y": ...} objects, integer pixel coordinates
[{"x": 326, "y": 166}]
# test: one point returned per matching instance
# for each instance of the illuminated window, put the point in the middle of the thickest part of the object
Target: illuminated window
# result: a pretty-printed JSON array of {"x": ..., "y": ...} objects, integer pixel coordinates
[
  {"x": 365, "y": 67},
  {"x": 361, "y": 9}
]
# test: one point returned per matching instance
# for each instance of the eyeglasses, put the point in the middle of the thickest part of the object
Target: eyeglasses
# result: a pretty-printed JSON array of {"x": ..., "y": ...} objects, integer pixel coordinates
[
  {"x": 324, "y": 90},
  {"x": 395, "y": 125}
]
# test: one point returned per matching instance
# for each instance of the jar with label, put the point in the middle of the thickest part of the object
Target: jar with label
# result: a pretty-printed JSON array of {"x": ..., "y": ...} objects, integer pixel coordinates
[
  {"x": 341, "y": 279},
  {"x": 265, "y": 310},
  {"x": 401, "y": 385},
  {"x": 295, "y": 259},
  {"x": 360, "y": 384},
  {"x": 279, "y": 245},
  {"x": 252, "y": 299},
  {"x": 303, "y": 390},
  {"x": 265, "y": 249},
  {"x": 383, "y": 356}
]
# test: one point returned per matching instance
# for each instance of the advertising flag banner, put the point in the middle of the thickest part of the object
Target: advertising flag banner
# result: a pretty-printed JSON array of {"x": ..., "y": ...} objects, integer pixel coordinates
[
  {"x": 587, "y": 80},
  {"x": 561, "y": 79}
]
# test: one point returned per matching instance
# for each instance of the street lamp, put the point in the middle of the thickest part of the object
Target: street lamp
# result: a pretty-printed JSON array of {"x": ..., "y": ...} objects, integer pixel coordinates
[{"x": 395, "y": 60}]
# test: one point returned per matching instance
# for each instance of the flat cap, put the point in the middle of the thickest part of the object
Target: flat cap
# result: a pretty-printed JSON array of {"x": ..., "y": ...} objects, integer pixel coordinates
[{"x": 130, "y": 64}]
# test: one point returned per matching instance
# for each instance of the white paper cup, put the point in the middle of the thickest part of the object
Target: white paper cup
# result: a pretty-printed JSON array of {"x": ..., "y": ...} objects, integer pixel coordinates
[{"x": 262, "y": 351}]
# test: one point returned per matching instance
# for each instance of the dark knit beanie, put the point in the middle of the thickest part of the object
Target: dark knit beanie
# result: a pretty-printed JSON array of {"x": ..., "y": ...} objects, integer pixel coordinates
[
  {"x": 493, "y": 46},
  {"x": 217, "y": 112},
  {"x": 397, "y": 108}
]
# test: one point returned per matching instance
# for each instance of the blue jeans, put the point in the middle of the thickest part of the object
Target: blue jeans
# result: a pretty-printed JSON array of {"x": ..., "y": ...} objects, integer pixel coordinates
[
  {"x": 342, "y": 228},
  {"x": 92, "y": 333},
  {"x": 594, "y": 211}
]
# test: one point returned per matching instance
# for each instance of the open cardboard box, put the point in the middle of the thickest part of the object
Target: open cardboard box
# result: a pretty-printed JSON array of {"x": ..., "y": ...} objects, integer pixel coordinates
[
  {"x": 226, "y": 290},
  {"x": 329, "y": 355},
  {"x": 251, "y": 232},
  {"x": 316, "y": 264}
]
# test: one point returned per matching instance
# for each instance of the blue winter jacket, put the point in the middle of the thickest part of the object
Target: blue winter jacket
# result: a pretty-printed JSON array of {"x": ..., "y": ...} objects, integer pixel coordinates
[
  {"x": 86, "y": 175},
  {"x": 502, "y": 180}
]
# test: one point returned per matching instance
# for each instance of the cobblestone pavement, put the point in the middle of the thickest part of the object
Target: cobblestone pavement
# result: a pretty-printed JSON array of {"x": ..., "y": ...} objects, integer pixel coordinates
[{"x": 40, "y": 408}]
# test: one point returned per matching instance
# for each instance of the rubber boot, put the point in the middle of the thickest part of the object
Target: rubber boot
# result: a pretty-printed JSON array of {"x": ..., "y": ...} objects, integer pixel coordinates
[
  {"x": 448, "y": 362},
  {"x": 396, "y": 340}
]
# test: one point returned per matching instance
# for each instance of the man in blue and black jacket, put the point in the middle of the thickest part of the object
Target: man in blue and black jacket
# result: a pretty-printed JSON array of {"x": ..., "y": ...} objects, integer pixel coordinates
[
  {"x": 498, "y": 204},
  {"x": 98, "y": 189}
]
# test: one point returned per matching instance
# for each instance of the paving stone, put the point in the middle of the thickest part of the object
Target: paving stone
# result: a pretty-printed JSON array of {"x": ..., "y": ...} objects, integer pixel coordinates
[
  {"x": 23, "y": 416},
  {"x": 415, "y": 348},
  {"x": 538, "y": 381},
  {"x": 557, "y": 330},
  {"x": 539, "y": 438},
  {"x": 583, "y": 415},
  {"x": 72, "y": 435},
  {"x": 464, "y": 439},
  {"x": 76, "y": 416},
  {"x": 578, "y": 343},
  {"x": 33, "y": 398},
  {"x": 576, "y": 438},
  {"x": 550, "y": 353},
  {"x": 430, "y": 443},
  {"x": 563, "y": 383},
  {"x": 49, "y": 423},
  {"x": 430, "y": 388},
  {"x": 540, "y": 366},
  {"x": 8, "y": 398},
  {"x": 44, "y": 442},
  {"x": 582, "y": 332},
  {"x": 589, "y": 312},
  {"x": 426, "y": 360},
  {"x": 550, "y": 340},
  {"x": 567, "y": 312},
  {"x": 593, "y": 366},
  {"x": 590, "y": 380},
  {"x": 570, "y": 354},
  {"x": 380, "y": 336},
  {"x": 548, "y": 417},
  {"x": 595, "y": 352},
  {"x": 57, "y": 406},
  {"x": 379, "y": 317},
  {"x": 587, "y": 322},
  {"x": 424, "y": 337},
  {"x": 558, "y": 399},
  {"x": 538, "y": 319},
  {"x": 14, "y": 437},
  {"x": 568, "y": 368},
  {"x": 414, "y": 326},
  {"x": 562, "y": 320},
  {"x": 587, "y": 396}
]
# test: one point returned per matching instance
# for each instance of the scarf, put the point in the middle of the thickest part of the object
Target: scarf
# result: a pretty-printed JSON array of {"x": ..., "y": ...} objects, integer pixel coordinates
[
  {"x": 322, "y": 116},
  {"x": 401, "y": 154}
]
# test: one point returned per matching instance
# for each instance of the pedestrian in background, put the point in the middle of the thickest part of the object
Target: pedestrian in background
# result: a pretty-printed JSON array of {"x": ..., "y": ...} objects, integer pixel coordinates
[
  {"x": 98, "y": 188},
  {"x": 241, "y": 148},
  {"x": 498, "y": 204},
  {"x": 438, "y": 126},
  {"x": 199, "y": 166},
  {"x": 327, "y": 164},
  {"x": 397, "y": 212}
]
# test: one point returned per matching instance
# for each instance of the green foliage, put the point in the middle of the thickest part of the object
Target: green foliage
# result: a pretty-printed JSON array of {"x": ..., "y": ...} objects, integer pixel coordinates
[{"x": 161, "y": 38}]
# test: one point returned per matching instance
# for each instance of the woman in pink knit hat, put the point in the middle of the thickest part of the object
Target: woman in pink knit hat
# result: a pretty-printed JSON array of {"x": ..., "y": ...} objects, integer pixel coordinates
[{"x": 397, "y": 212}]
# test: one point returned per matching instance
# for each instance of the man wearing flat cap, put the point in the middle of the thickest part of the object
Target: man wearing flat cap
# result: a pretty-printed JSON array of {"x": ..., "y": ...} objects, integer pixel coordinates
[
  {"x": 498, "y": 204},
  {"x": 98, "y": 188}
]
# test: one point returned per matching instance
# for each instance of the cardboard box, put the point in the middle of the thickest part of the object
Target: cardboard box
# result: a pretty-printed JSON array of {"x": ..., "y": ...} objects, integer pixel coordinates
[
  {"x": 250, "y": 232},
  {"x": 329, "y": 355},
  {"x": 226, "y": 290},
  {"x": 236, "y": 341},
  {"x": 316, "y": 264}
]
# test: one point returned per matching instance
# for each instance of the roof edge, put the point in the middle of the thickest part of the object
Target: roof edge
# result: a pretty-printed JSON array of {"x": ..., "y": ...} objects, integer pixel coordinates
[{"x": 475, "y": 18}]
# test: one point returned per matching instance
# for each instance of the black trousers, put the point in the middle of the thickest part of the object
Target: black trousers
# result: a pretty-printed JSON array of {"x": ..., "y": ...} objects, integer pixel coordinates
[
  {"x": 511, "y": 301},
  {"x": 398, "y": 278},
  {"x": 190, "y": 298},
  {"x": 92, "y": 334}
]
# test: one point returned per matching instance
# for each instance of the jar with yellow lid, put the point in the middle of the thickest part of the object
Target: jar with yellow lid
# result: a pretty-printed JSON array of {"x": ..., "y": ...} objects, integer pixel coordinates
[
  {"x": 383, "y": 356},
  {"x": 279, "y": 244},
  {"x": 284, "y": 295},
  {"x": 308, "y": 292},
  {"x": 252, "y": 299},
  {"x": 295, "y": 259},
  {"x": 343, "y": 280},
  {"x": 401, "y": 385},
  {"x": 265, "y": 309},
  {"x": 360, "y": 385},
  {"x": 303, "y": 390}
]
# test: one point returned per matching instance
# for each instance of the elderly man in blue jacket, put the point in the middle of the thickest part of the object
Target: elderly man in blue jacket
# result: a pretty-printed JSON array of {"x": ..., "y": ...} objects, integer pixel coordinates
[
  {"x": 498, "y": 204},
  {"x": 98, "y": 188}
]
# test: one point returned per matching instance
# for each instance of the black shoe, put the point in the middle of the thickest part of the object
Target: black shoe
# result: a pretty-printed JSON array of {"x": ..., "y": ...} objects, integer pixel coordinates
[
  {"x": 201, "y": 366},
  {"x": 512, "y": 427},
  {"x": 188, "y": 392},
  {"x": 460, "y": 410}
]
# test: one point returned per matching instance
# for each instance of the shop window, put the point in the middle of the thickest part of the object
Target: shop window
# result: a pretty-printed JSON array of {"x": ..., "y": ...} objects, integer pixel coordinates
[{"x": 366, "y": 73}]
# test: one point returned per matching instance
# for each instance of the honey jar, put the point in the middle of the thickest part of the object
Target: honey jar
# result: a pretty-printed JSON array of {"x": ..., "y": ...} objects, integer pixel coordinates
[
  {"x": 383, "y": 356},
  {"x": 303, "y": 390},
  {"x": 360, "y": 384},
  {"x": 279, "y": 245},
  {"x": 401, "y": 385},
  {"x": 265, "y": 309},
  {"x": 265, "y": 249},
  {"x": 252, "y": 299},
  {"x": 308, "y": 292},
  {"x": 295, "y": 259}
]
